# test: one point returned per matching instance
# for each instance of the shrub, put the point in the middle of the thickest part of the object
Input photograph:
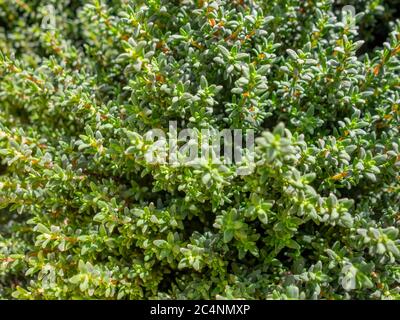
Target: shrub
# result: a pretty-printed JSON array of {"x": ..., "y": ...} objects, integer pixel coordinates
[{"x": 84, "y": 215}]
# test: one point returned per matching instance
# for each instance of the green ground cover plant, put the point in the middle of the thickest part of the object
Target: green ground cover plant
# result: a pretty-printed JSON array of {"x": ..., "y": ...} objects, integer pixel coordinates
[{"x": 83, "y": 215}]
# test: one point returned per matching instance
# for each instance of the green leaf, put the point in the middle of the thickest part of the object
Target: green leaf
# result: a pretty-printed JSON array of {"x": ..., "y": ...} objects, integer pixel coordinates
[
  {"x": 42, "y": 229},
  {"x": 228, "y": 235},
  {"x": 75, "y": 279},
  {"x": 391, "y": 246},
  {"x": 131, "y": 150},
  {"x": 292, "y": 291}
]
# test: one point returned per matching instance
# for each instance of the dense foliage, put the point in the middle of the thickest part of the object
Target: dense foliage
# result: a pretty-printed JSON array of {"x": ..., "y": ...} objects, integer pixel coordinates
[{"x": 83, "y": 215}]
